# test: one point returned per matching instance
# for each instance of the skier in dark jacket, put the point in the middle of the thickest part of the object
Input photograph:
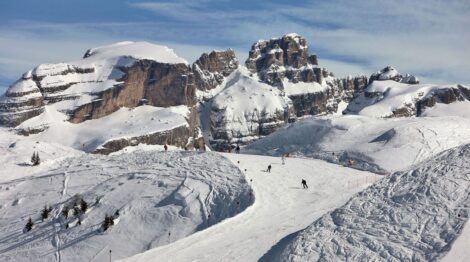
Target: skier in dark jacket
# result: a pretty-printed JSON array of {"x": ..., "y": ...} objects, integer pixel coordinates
[
  {"x": 165, "y": 147},
  {"x": 304, "y": 183},
  {"x": 269, "y": 169},
  {"x": 237, "y": 149}
]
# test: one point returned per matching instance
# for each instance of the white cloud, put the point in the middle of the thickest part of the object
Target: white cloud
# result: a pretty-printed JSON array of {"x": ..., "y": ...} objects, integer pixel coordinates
[{"x": 426, "y": 38}]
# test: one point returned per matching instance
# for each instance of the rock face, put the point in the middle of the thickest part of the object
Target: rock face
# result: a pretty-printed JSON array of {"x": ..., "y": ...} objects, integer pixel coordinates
[
  {"x": 156, "y": 84},
  {"x": 22, "y": 101},
  {"x": 288, "y": 73},
  {"x": 211, "y": 69},
  {"x": 121, "y": 75},
  {"x": 178, "y": 137},
  {"x": 285, "y": 57}
]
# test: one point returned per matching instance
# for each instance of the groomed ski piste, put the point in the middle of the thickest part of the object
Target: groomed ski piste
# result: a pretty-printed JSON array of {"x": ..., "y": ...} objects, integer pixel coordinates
[{"x": 281, "y": 207}]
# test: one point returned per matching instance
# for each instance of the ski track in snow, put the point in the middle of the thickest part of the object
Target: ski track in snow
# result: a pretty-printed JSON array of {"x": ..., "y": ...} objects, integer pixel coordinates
[{"x": 281, "y": 207}]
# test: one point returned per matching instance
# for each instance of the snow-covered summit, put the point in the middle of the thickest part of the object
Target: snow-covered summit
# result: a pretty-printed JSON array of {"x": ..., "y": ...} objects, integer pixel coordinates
[
  {"x": 391, "y": 73},
  {"x": 138, "y": 50}
]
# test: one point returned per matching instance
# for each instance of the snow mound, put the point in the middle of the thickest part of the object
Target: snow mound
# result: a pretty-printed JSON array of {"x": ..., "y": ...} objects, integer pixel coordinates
[
  {"x": 413, "y": 215},
  {"x": 160, "y": 197}
]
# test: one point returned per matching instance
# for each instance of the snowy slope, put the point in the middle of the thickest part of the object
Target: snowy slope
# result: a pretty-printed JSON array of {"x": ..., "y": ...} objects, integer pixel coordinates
[
  {"x": 161, "y": 197},
  {"x": 374, "y": 144},
  {"x": 384, "y": 98},
  {"x": 89, "y": 135},
  {"x": 281, "y": 207},
  {"x": 413, "y": 215}
]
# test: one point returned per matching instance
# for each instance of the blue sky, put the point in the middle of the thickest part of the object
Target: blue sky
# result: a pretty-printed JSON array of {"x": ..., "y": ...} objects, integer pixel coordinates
[{"x": 426, "y": 38}]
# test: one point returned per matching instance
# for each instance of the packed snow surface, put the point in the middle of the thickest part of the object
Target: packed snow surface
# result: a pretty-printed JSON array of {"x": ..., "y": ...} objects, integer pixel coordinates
[
  {"x": 160, "y": 197},
  {"x": 373, "y": 144},
  {"x": 281, "y": 207},
  {"x": 414, "y": 215}
]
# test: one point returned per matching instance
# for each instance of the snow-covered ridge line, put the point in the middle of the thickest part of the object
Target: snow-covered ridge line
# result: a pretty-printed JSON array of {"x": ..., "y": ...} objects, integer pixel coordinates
[{"x": 411, "y": 215}]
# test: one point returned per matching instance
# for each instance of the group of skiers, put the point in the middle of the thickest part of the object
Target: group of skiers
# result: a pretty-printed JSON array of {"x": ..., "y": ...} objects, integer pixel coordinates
[{"x": 283, "y": 158}]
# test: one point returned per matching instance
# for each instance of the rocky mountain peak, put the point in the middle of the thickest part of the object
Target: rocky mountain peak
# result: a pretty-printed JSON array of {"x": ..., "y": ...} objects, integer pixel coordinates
[
  {"x": 211, "y": 69},
  {"x": 390, "y": 73},
  {"x": 284, "y": 57}
]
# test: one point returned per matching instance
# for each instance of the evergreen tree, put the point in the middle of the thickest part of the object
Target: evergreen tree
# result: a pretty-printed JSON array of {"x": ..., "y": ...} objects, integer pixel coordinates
[
  {"x": 29, "y": 225},
  {"x": 83, "y": 206},
  {"x": 33, "y": 158},
  {"x": 38, "y": 160},
  {"x": 45, "y": 212},
  {"x": 76, "y": 211},
  {"x": 107, "y": 223},
  {"x": 65, "y": 212}
]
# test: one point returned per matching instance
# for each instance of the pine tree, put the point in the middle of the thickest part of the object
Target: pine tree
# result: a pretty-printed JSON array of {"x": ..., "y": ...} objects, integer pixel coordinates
[
  {"x": 65, "y": 212},
  {"x": 107, "y": 223},
  {"x": 83, "y": 206},
  {"x": 76, "y": 211},
  {"x": 29, "y": 225},
  {"x": 45, "y": 212},
  {"x": 33, "y": 158},
  {"x": 38, "y": 160}
]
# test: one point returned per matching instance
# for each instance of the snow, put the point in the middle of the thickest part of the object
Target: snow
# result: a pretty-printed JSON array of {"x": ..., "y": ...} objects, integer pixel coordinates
[
  {"x": 24, "y": 86},
  {"x": 244, "y": 102},
  {"x": 138, "y": 50},
  {"x": 156, "y": 193},
  {"x": 414, "y": 215},
  {"x": 389, "y": 96},
  {"x": 281, "y": 207},
  {"x": 388, "y": 144},
  {"x": 302, "y": 87},
  {"x": 459, "y": 108},
  {"x": 89, "y": 135},
  {"x": 100, "y": 70}
]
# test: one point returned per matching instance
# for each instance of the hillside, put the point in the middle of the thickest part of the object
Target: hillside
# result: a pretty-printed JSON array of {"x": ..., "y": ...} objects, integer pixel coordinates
[{"x": 412, "y": 215}]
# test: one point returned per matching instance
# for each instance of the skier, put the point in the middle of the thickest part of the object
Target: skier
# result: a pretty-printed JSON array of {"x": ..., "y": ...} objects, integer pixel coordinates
[
  {"x": 283, "y": 159},
  {"x": 165, "y": 147},
  {"x": 237, "y": 149},
  {"x": 304, "y": 183},
  {"x": 350, "y": 162},
  {"x": 269, "y": 169}
]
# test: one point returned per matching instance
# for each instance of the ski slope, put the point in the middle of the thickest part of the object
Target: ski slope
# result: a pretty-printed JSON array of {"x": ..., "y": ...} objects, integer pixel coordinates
[{"x": 281, "y": 207}]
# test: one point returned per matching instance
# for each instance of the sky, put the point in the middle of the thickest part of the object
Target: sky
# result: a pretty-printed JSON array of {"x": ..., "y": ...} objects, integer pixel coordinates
[{"x": 425, "y": 38}]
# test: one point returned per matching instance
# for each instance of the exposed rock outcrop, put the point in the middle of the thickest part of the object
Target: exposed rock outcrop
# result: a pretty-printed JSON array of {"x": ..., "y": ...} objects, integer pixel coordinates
[
  {"x": 22, "y": 101},
  {"x": 390, "y": 73},
  {"x": 178, "y": 137},
  {"x": 211, "y": 69},
  {"x": 285, "y": 57},
  {"x": 121, "y": 75}
]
